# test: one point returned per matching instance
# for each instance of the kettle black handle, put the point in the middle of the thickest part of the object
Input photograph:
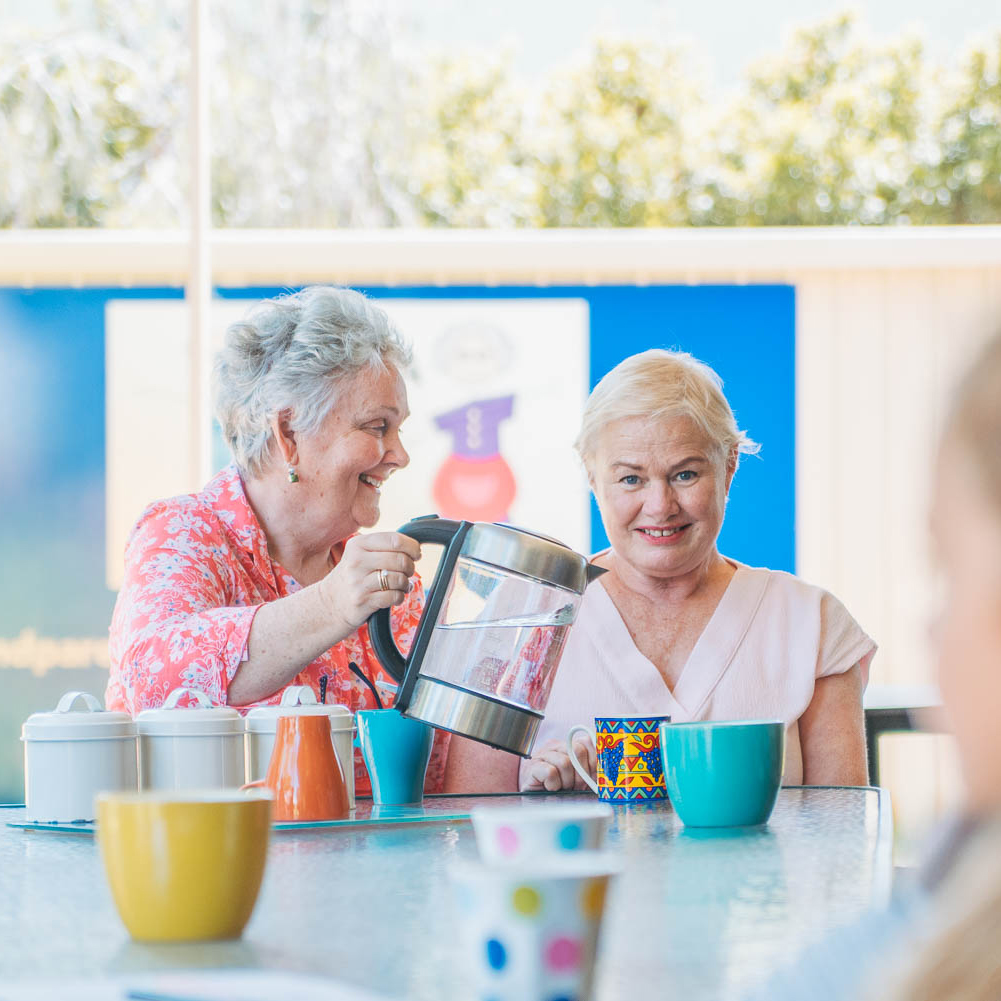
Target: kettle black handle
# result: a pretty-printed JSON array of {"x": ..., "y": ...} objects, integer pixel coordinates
[{"x": 429, "y": 528}]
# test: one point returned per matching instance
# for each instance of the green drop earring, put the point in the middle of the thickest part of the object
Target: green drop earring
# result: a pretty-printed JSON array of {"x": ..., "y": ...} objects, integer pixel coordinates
[{"x": 293, "y": 476}]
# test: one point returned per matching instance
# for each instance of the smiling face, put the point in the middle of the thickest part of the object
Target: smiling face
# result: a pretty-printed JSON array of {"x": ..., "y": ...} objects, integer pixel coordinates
[
  {"x": 966, "y": 530},
  {"x": 661, "y": 488},
  {"x": 343, "y": 465}
]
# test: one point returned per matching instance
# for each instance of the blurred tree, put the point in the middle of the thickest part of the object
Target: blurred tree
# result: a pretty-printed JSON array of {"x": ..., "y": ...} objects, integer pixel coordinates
[
  {"x": 469, "y": 165},
  {"x": 309, "y": 114},
  {"x": 835, "y": 130},
  {"x": 323, "y": 117},
  {"x": 967, "y": 182},
  {"x": 90, "y": 120},
  {"x": 612, "y": 142}
]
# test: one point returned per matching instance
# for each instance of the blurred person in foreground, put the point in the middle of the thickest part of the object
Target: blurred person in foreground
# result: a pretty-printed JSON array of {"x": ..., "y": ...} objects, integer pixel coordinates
[
  {"x": 674, "y": 627},
  {"x": 939, "y": 938},
  {"x": 261, "y": 580}
]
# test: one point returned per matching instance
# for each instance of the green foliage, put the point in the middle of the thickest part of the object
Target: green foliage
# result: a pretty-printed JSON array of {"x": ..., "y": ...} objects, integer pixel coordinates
[
  {"x": 321, "y": 116},
  {"x": 87, "y": 128},
  {"x": 833, "y": 131},
  {"x": 965, "y": 186},
  {"x": 468, "y": 165},
  {"x": 611, "y": 145},
  {"x": 73, "y": 136}
]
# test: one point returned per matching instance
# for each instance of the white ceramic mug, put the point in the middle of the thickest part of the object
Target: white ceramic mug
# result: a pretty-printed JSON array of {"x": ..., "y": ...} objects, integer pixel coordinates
[
  {"x": 529, "y": 832},
  {"x": 529, "y": 931},
  {"x": 71, "y": 755}
]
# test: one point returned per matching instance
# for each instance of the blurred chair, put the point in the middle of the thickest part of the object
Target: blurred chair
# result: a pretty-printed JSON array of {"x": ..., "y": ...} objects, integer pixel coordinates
[{"x": 899, "y": 709}]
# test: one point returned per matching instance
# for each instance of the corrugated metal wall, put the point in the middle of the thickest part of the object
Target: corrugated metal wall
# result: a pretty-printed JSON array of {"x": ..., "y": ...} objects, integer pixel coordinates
[{"x": 878, "y": 354}]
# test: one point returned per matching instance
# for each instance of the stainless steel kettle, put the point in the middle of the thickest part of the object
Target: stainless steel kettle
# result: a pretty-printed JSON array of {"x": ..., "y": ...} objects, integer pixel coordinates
[{"x": 488, "y": 644}]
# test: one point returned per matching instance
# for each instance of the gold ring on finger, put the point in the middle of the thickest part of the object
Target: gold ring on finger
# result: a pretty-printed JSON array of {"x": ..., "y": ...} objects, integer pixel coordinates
[{"x": 383, "y": 580}]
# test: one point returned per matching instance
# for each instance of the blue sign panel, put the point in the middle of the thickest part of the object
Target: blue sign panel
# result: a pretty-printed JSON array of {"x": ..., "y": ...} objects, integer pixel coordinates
[{"x": 747, "y": 333}]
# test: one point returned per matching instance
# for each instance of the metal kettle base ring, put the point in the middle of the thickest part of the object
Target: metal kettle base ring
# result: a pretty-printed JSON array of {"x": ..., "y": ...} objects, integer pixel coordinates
[{"x": 471, "y": 715}]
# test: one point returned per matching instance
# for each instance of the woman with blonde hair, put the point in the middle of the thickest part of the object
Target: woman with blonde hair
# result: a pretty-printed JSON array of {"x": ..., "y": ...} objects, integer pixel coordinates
[
  {"x": 674, "y": 627},
  {"x": 959, "y": 953},
  {"x": 939, "y": 939}
]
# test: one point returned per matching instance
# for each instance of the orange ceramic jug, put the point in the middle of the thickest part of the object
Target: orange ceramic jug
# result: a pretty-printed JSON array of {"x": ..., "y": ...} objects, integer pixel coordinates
[{"x": 304, "y": 773}]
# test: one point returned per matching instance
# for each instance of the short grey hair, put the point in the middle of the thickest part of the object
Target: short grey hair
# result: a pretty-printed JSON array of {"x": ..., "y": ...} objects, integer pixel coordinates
[
  {"x": 661, "y": 385},
  {"x": 290, "y": 353}
]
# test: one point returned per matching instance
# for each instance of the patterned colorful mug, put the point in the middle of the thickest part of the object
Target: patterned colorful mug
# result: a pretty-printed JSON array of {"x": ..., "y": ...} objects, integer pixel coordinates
[{"x": 630, "y": 766}]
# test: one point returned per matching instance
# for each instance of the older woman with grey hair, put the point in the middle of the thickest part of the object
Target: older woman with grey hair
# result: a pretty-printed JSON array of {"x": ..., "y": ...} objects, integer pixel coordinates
[
  {"x": 262, "y": 579},
  {"x": 675, "y": 628}
]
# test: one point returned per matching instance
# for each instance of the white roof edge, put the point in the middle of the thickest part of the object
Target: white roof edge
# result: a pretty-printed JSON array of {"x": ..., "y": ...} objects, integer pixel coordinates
[{"x": 437, "y": 256}]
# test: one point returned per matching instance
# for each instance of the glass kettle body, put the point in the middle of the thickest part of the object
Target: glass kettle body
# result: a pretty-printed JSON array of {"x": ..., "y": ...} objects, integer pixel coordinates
[{"x": 486, "y": 650}]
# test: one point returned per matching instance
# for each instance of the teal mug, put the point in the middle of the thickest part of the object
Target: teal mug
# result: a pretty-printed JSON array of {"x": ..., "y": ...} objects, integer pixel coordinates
[
  {"x": 723, "y": 774},
  {"x": 396, "y": 751}
]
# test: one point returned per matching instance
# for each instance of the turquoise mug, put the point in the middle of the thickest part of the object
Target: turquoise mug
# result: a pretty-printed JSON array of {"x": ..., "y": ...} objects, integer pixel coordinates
[
  {"x": 723, "y": 774},
  {"x": 396, "y": 751}
]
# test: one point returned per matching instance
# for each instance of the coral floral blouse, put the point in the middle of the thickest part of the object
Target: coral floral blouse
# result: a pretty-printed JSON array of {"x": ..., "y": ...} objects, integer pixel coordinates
[{"x": 197, "y": 570}]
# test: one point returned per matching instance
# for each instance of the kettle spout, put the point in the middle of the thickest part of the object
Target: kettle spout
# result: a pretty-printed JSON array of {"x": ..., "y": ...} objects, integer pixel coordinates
[{"x": 594, "y": 572}]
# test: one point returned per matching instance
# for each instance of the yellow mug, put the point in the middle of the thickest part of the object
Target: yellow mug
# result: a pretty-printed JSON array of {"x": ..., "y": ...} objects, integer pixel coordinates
[{"x": 184, "y": 866}]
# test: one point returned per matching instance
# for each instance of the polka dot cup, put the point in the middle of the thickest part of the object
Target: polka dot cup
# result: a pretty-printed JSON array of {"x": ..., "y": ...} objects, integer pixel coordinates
[
  {"x": 531, "y": 832},
  {"x": 530, "y": 932}
]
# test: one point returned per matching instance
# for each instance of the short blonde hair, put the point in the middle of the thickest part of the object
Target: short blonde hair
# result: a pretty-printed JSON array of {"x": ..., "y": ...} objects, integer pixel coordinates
[
  {"x": 975, "y": 417},
  {"x": 661, "y": 385}
]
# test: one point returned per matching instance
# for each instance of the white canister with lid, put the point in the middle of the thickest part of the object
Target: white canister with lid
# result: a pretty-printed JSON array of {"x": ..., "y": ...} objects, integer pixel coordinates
[
  {"x": 200, "y": 747},
  {"x": 299, "y": 700},
  {"x": 72, "y": 755}
]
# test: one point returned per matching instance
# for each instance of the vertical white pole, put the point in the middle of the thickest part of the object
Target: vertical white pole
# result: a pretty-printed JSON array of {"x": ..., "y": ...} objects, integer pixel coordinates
[{"x": 198, "y": 291}]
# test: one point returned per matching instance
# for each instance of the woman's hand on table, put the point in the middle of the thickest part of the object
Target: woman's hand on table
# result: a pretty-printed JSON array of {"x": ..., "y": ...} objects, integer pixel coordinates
[
  {"x": 550, "y": 767},
  {"x": 353, "y": 589}
]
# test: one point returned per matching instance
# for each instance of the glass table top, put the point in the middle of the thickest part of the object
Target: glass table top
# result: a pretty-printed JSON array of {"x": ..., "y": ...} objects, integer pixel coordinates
[
  {"x": 704, "y": 914},
  {"x": 434, "y": 810}
]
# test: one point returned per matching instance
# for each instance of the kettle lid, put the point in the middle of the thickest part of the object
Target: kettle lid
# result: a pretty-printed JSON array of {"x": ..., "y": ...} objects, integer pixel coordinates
[{"x": 528, "y": 553}]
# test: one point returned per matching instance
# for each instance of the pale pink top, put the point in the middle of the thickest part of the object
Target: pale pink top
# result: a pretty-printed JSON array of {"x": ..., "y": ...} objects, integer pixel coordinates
[{"x": 771, "y": 636}]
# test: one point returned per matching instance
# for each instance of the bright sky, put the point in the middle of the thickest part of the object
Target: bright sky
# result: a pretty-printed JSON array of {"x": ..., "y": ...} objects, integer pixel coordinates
[{"x": 730, "y": 33}]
